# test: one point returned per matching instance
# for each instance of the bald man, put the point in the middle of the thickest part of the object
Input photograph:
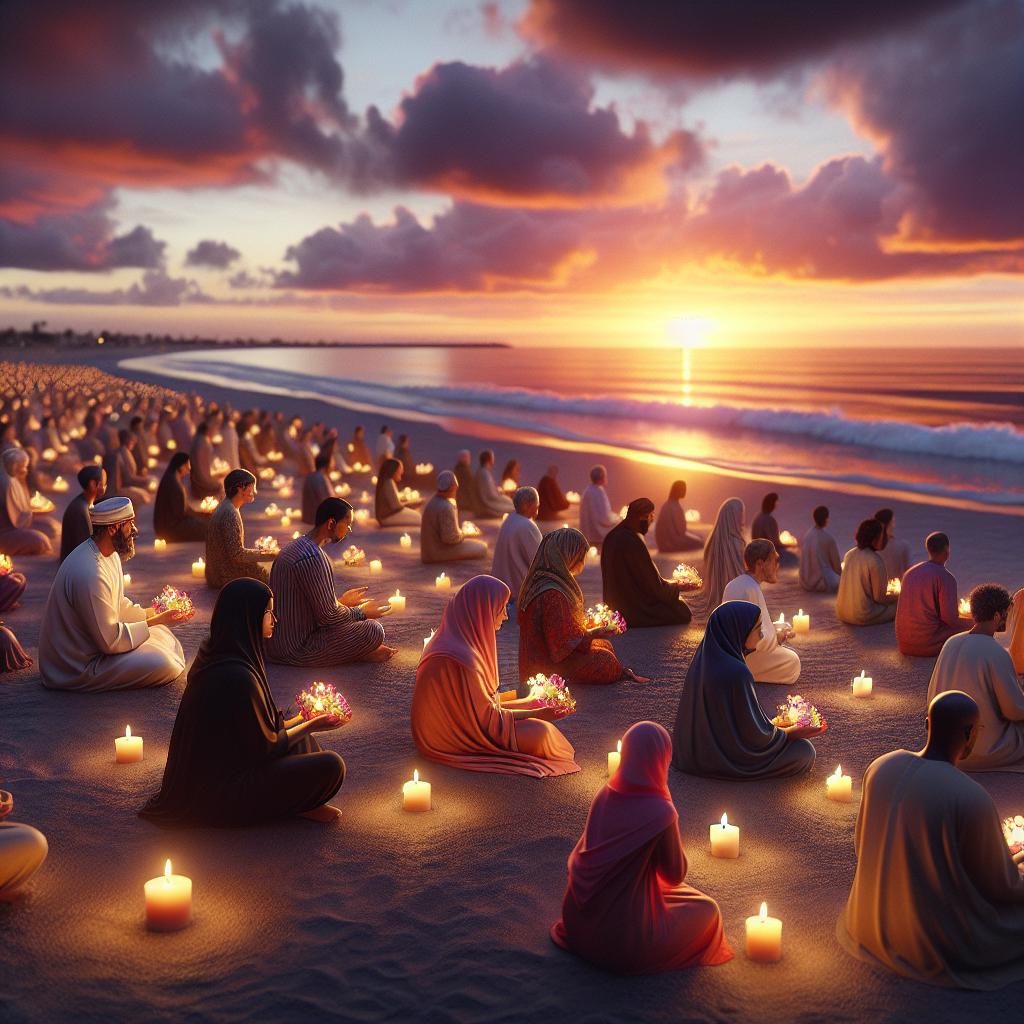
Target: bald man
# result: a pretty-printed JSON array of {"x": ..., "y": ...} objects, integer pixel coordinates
[{"x": 936, "y": 895}]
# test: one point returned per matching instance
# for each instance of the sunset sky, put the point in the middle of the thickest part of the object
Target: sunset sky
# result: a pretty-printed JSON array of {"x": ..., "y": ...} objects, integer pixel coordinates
[{"x": 534, "y": 171}]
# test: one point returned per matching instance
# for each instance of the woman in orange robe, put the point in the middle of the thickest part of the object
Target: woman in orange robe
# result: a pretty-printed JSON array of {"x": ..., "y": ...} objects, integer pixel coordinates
[
  {"x": 627, "y": 907},
  {"x": 457, "y": 717}
]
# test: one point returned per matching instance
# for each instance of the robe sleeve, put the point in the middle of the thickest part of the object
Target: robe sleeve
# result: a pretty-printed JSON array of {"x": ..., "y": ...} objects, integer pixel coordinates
[
  {"x": 98, "y": 615},
  {"x": 450, "y": 532},
  {"x": 949, "y": 612},
  {"x": 241, "y": 716},
  {"x": 1007, "y": 689},
  {"x": 19, "y": 513},
  {"x": 669, "y": 858},
  {"x": 318, "y": 586}
]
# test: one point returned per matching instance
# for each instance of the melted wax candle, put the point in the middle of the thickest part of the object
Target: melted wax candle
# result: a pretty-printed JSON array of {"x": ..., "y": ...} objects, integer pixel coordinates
[
  {"x": 397, "y": 601},
  {"x": 614, "y": 758},
  {"x": 862, "y": 685},
  {"x": 801, "y": 622},
  {"x": 839, "y": 787}
]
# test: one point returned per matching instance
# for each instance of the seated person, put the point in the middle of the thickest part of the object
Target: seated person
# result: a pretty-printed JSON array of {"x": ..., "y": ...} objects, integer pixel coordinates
[
  {"x": 977, "y": 664},
  {"x": 488, "y": 501},
  {"x": 92, "y": 637},
  {"x": 22, "y": 851},
  {"x": 22, "y": 531},
  {"x": 765, "y": 527},
  {"x": 862, "y": 599},
  {"x": 723, "y": 553},
  {"x": 927, "y": 613},
  {"x": 317, "y": 486},
  {"x": 389, "y": 508},
  {"x": 510, "y": 475},
  {"x": 596, "y": 515},
  {"x": 123, "y": 477},
  {"x": 632, "y": 584},
  {"x": 936, "y": 895},
  {"x": 205, "y": 481},
  {"x": 441, "y": 538},
  {"x": 627, "y": 907},
  {"x": 227, "y": 557},
  {"x": 552, "y": 501},
  {"x": 465, "y": 496},
  {"x": 770, "y": 662},
  {"x": 670, "y": 532},
  {"x": 76, "y": 526},
  {"x": 359, "y": 449},
  {"x": 457, "y": 717},
  {"x": 234, "y": 759},
  {"x": 518, "y": 540},
  {"x": 314, "y": 626},
  {"x": 894, "y": 553},
  {"x": 820, "y": 567},
  {"x": 173, "y": 519},
  {"x": 721, "y": 731}
]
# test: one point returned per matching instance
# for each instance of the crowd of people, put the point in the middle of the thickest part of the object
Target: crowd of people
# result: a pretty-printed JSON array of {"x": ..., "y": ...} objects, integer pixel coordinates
[{"x": 235, "y": 758}]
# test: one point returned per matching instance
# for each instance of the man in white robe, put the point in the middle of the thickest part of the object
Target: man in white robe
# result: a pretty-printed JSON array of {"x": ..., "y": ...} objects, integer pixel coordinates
[
  {"x": 770, "y": 662},
  {"x": 820, "y": 567},
  {"x": 518, "y": 540},
  {"x": 976, "y": 663},
  {"x": 92, "y": 637},
  {"x": 596, "y": 515},
  {"x": 490, "y": 502},
  {"x": 936, "y": 895}
]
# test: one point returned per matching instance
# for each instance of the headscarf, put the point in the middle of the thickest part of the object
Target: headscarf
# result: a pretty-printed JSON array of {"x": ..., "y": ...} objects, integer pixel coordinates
[
  {"x": 723, "y": 552},
  {"x": 677, "y": 491},
  {"x": 637, "y": 510},
  {"x": 1015, "y": 626},
  {"x": 631, "y": 810},
  {"x": 236, "y": 632},
  {"x": 549, "y": 569},
  {"x": 467, "y": 632}
]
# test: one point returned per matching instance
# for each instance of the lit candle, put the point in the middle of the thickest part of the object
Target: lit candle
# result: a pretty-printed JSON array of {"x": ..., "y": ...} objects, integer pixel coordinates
[
  {"x": 839, "y": 787},
  {"x": 154, "y": 449},
  {"x": 397, "y": 601},
  {"x": 199, "y": 569},
  {"x": 286, "y": 521},
  {"x": 725, "y": 839},
  {"x": 60, "y": 485},
  {"x": 362, "y": 516},
  {"x": 296, "y": 535},
  {"x": 443, "y": 583},
  {"x": 127, "y": 579},
  {"x": 614, "y": 757},
  {"x": 416, "y": 794},
  {"x": 159, "y": 544},
  {"x": 427, "y": 639},
  {"x": 376, "y": 567},
  {"x": 405, "y": 540},
  {"x": 592, "y": 553},
  {"x": 862, "y": 685},
  {"x": 168, "y": 902},
  {"x": 801, "y": 622},
  {"x": 764, "y": 937},
  {"x": 964, "y": 607},
  {"x": 781, "y": 620},
  {"x": 127, "y": 748}
]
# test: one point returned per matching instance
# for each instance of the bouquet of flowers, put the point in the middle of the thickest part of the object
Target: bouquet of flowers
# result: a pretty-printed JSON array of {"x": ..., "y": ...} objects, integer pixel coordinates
[
  {"x": 40, "y": 503},
  {"x": 687, "y": 576},
  {"x": 208, "y": 504},
  {"x": 470, "y": 529},
  {"x": 601, "y": 615},
  {"x": 172, "y": 599},
  {"x": 353, "y": 555},
  {"x": 894, "y": 586},
  {"x": 323, "y": 699},
  {"x": 1013, "y": 830},
  {"x": 797, "y": 711},
  {"x": 6, "y": 565},
  {"x": 272, "y": 511},
  {"x": 267, "y": 545},
  {"x": 551, "y": 692}
]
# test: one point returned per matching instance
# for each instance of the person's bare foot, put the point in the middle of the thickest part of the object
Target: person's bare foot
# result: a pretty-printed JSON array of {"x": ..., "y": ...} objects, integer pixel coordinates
[
  {"x": 383, "y": 653},
  {"x": 630, "y": 674},
  {"x": 325, "y": 814}
]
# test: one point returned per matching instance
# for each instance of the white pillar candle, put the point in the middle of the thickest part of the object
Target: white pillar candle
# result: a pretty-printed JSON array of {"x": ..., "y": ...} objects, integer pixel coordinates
[
  {"x": 443, "y": 583},
  {"x": 405, "y": 541},
  {"x": 862, "y": 685},
  {"x": 764, "y": 937},
  {"x": 376, "y": 567},
  {"x": 127, "y": 579},
  {"x": 614, "y": 757},
  {"x": 159, "y": 544},
  {"x": 839, "y": 787},
  {"x": 801, "y": 622},
  {"x": 725, "y": 839},
  {"x": 127, "y": 748},
  {"x": 286, "y": 521},
  {"x": 397, "y": 601},
  {"x": 416, "y": 794},
  {"x": 168, "y": 902},
  {"x": 199, "y": 569}
]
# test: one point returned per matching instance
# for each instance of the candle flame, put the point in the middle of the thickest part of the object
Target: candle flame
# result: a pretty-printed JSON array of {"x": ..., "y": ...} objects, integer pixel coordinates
[
  {"x": 838, "y": 773},
  {"x": 618, "y": 746},
  {"x": 725, "y": 820},
  {"x": 415, "y": 775},
  {"x": 764, "y": 912},
  {"x": 167, "y": 871},
  {"x": 863, "y": 674},
  {"x": 127, "y": 732},
  {"x": 800, "y": 612},
  {"x": 398, "y": 593}
]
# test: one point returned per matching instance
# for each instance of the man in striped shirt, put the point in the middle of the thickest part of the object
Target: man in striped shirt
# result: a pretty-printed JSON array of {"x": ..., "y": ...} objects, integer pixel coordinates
[{"x": 315, "y": 627}]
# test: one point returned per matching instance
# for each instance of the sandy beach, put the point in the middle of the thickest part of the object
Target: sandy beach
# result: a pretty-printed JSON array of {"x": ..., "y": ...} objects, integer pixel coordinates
[{"x": 445, "y": 916}]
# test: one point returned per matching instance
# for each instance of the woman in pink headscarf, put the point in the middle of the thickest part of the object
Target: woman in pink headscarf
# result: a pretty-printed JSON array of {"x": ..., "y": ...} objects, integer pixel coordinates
[
  {"x": 627, "y": 907},
  {"x": 456, "y": 715}
]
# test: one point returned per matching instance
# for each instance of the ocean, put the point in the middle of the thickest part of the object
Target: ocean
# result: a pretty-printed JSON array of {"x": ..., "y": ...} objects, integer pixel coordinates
[{"x": 943, "y": 425}]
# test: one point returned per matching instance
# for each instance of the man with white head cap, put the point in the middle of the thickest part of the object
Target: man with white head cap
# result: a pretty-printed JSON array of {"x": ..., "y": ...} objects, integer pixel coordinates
[
  {"x": 441, "y": 537},
  {"x": 92, "y": 637},
  {"x": 518, "y": 540}
]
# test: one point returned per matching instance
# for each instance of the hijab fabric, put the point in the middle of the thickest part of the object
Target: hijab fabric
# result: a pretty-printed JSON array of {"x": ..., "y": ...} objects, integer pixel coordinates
[
  {"x": 723, "y": 552},
  {"x": 550, "y": 568}
]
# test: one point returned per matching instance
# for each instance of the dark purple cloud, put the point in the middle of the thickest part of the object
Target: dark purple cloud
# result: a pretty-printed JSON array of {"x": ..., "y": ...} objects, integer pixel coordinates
[
  {"x": 210, "y": 253},
  {"x": 156, "y": 288}
]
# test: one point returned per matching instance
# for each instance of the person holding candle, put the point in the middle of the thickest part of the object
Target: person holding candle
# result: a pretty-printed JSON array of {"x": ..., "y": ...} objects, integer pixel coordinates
[
  {"x": 227, "y": 557},
  {"x": 552, "y": 501},
  {"x": 12, "y": 585},
  {"x": 723, "y": 553},
  {"x": 631, "y": 582},
  {"x": 596, "y": 515},
  {"x": 315, "y": 626},
  {"x": 894, "y": 553},
  {"x": 456, "y": 717},
  {"x": 670, "y": 529},
  {"x": 978, "y": 665},
  {"x": 22, "y": 531},
  {"x": 317, "y": 486},
  {"x": 173, "y": 519},
  {"x": 627, "y": 907},
  {"x": 94, "y": 638},
  {"x": 389, "y": 508},
  {"x": 518, "y": 540},
  {"x": 489, "y": 502},
  {"x": 770, "y": 662},
  {"x": 75, "y": 525},
  {"x": 553, "y": 636},
  {"x": 936, "y": 895},
  {"x": 766, "y": 527},
  {"x": 204, "y": 480},
  {"x": 359, "y": 449},
  {"x": 441, "y": 537},
  {"x": 927, "y": 613},
  {"x": 862, "y": 599},
  {"x": 22, "y": 851},
  {"x": 234, "y": 759},
  {"x": 720, "y": 730},
  {"x": 820, "y": 565}
]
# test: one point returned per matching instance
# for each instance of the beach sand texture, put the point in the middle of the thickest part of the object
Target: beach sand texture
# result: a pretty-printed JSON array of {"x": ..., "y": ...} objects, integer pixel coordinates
[{"x": 444, "y": 916}]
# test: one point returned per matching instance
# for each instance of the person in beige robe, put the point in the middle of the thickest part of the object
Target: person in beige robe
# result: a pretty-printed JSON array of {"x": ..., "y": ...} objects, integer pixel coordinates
[
  {"x": 936, "y": 896},
  {"x": 862, "y": 599},
  {"x": 489, "y": 502},
  {"x": 596, "y": 515},
  {"x": 820, "y": 567},
  {"x": 976, "y": 663},
  {"x": 441, "y": 537},
  {"x": 518, "y": 540},
  {"x": 22, "y": 532}
]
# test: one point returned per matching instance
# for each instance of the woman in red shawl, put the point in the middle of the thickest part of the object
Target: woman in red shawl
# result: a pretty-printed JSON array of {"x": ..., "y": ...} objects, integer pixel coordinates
[{"x": 627, "y": 907}]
